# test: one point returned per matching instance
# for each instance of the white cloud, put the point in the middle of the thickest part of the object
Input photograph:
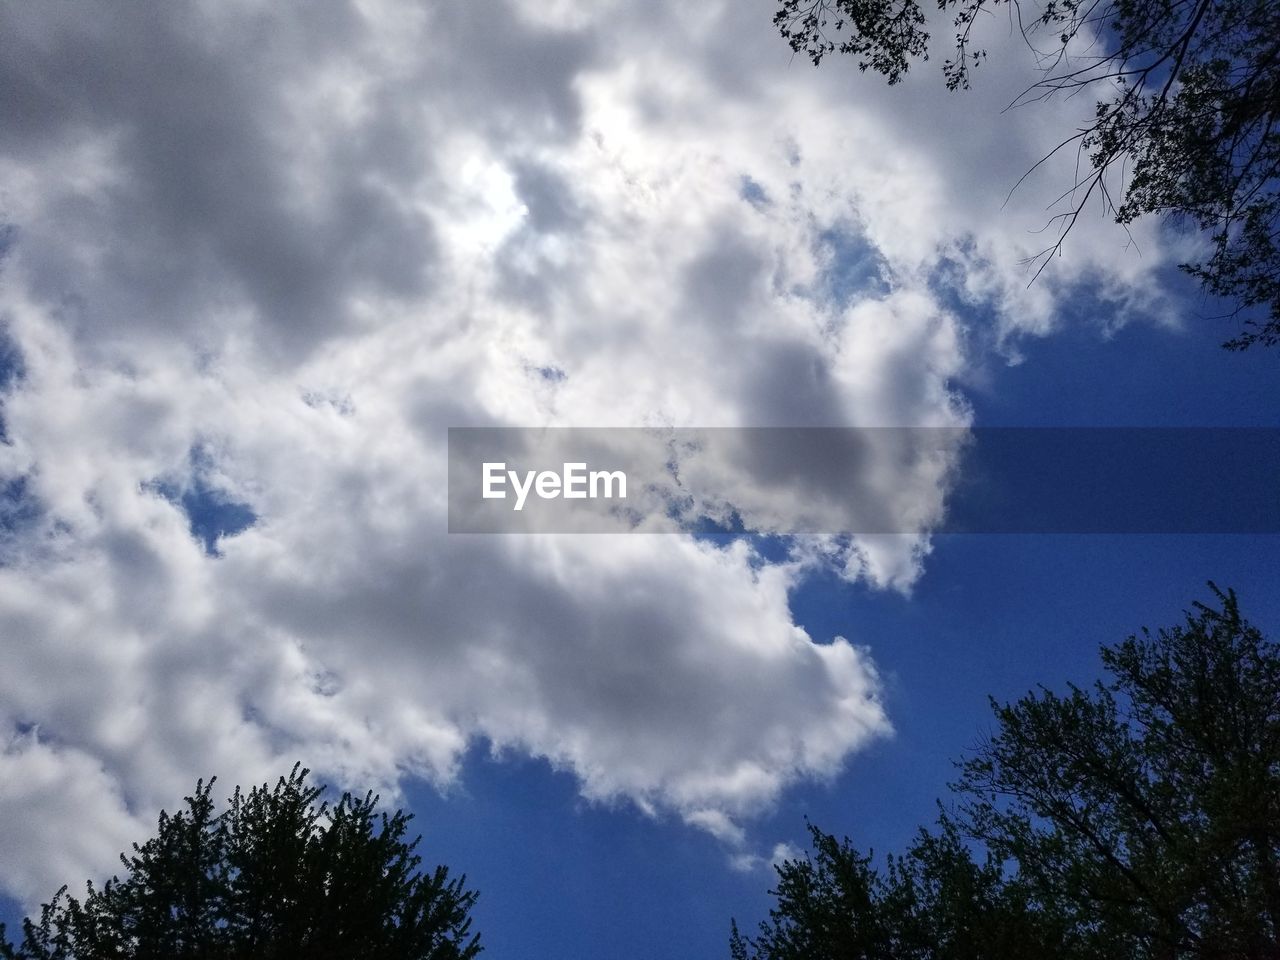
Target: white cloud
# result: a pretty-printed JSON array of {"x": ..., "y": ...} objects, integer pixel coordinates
[
  {"x": 44, "y": 791},
  {"x": 306, "y": 256},
  {"x": 747, "y": 862}
]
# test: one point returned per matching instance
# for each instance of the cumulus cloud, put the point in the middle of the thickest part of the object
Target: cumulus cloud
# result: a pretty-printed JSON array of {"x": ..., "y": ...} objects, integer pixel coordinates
[
  {"x": 782, "y": 852},
  {"x": 264, "y": 257}
]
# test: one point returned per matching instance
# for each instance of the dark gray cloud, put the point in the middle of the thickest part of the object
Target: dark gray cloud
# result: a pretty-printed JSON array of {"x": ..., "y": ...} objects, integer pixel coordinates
[
  {"x": 552, "y": 206},
  {"x": 724, "y": 280},
  {"x": 514, "y": 78},
  {"x": 205, "y": 206}
]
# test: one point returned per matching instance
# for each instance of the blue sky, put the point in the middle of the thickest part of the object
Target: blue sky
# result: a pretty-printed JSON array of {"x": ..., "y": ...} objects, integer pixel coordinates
[{"x": 249, "y": 285}]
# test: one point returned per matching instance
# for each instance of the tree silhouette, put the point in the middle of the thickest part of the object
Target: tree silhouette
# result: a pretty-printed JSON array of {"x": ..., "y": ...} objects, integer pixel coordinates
[
  {"x": 1188, "y": 125},
  {"x": 278, "y": 874},
  {"x": 1138, "y": 819}
]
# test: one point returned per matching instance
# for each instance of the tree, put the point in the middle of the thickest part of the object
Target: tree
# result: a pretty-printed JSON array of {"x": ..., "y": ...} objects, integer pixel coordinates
[
  {"x": 933, "y": 902},
  {"x": 1139, "y": 818},
  {"x": 277, "y": 874},
  {"x": 1187, "y": 120}
]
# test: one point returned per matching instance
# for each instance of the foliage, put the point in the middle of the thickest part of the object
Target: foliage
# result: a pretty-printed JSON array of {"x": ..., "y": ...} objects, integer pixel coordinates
[
  {"x": 1188, "y": 115},
  {"x": 278, "y": 874},
  {"x": 1139, "y": 819},
  {"x": 933, "y": 902}
]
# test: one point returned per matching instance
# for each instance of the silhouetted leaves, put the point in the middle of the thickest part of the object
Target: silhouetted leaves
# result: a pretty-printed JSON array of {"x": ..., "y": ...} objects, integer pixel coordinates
[{"x": 279, "y": 875}]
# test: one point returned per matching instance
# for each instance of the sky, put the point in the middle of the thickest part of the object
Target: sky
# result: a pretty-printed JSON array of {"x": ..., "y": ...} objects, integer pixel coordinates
[{"x": 259, "y": 257}]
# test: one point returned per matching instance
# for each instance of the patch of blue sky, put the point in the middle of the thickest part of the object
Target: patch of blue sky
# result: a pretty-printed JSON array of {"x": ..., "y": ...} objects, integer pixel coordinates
[
  {"x": 560, "y": 877},
  {"x": 854, "y": 268},
  {"x": 11, "y": 914},
  {"x": 753, "y": 193},
  {"x": 19, "y": 512},
  {"x": 211, "y": 512},
  {"x": 551, "y": 374},
  {"x": 766, "y": 547},
  {"x": 17, "y": 505},
  {"x": 1091, "y": 373},
  {"x": 11, "y": 371}
]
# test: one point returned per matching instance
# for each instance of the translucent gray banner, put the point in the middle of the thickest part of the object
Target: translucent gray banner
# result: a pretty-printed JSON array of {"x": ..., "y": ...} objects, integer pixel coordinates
[{"x": 817, "y": 480}]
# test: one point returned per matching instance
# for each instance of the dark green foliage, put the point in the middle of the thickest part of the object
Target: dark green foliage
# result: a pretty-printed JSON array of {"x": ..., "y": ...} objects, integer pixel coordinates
[
  {"x": 1137, "y": 819},
  {"x": 883, "y": 36},
  {"x": 1149, "y": 807},
  {"x": 1193, "y": 123},
  {"x": 933, "y": 902},
  {"x": 278, "y": 874}
]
